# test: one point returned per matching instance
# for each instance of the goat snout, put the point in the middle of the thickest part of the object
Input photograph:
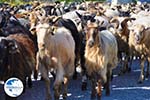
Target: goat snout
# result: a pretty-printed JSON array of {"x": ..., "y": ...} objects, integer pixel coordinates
[
  {"x": 137, "y": 38},
  {"x": 91, "y": 43},
  {"x": 41, "y": 45}
]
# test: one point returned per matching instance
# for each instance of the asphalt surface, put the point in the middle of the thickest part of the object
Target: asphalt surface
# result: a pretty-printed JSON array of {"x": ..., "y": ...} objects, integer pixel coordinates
[{"x": 123, "y": 87}]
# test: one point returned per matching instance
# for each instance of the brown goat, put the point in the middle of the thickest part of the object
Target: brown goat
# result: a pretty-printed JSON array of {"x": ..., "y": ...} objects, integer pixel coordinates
[
  {"x": 100, "y": 57},
  {"x": 121, "y": 32},
  {"x": 139, "y": 42},
  {"x": 18, "y": 58}
]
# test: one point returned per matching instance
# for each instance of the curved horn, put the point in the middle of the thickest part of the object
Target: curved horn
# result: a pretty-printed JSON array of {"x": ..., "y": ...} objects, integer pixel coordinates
[
  {"x": 124, "y": 22},
  {"x": 115, "y": 22},
  {"x": 79, "y": 15},
  {"x": 43, "y": 12}
]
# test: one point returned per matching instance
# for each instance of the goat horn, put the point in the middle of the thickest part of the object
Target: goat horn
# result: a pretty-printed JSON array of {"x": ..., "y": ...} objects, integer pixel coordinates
[
  {"x": 124, "y": 22},
  {"x": 116, "y": 21}
]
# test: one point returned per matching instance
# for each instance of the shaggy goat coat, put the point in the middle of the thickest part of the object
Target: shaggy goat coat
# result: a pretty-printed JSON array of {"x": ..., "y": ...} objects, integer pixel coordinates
[
  {"x": 139, "y": 45},
  {"x": 104, "y": 52}
]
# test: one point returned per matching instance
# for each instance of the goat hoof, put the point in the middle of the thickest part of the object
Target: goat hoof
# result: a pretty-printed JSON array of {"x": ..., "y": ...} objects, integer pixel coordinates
[
  {"x": 147, "y": 74},
  {"x": 120, "y": 73},
  {"x": 42, "y": 79},
  {"x": 84, "y": 86},
  {"x": 64, "y": 96},
  {"x": 30, "y": 85},
  {"x": 140, "y": 81},
  {"x": 35, "y": 75},
  {"x": 56, "y": 98}
]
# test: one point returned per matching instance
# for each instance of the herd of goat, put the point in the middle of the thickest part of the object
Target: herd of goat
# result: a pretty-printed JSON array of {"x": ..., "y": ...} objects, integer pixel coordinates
[{"x": 57, "y": 38}]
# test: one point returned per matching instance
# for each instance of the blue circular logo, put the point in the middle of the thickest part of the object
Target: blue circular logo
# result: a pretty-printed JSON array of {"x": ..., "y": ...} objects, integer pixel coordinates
[{"x": 13, "y": 87}]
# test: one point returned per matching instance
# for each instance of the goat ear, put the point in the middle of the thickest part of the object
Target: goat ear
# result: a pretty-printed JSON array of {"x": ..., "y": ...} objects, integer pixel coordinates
[
  {"x": 93, "y": 18},
  {"x": 132, "y": 19},
  {"x": 101, "y": 23},
  {"x": 43, "y": 12},
  {"x": 55, "y": 19},
  {"x": 7, "y": 14},
  {"x": 79, "y": 15}
]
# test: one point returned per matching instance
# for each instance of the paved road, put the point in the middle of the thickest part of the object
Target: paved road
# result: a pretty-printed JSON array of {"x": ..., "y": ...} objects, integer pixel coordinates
[{"x": 123, "y": 87}]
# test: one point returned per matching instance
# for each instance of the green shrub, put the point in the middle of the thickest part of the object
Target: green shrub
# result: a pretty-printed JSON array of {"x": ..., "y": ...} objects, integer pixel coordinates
[
  {"x": 80, "y": 0},
  {"x": 14, "y": 2}
]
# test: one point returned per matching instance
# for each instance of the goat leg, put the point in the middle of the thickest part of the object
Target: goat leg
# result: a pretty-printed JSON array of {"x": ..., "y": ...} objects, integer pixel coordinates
[
  {"x": 93, "y": 92},
  {"x": 99, "y": 90},
  {"x": 142, "y": 71},
  {"x": 37, "y": 66},
  {"x": 75, "y": 72},
  {"x": 147, "y": 71},
  {"x": 29, "y": 82},
  {"x": 108, "y": 82},
  {"x": 45, "y": 75},
  {"x": 57, "y": 88},
  {"x": 84, "y": 75},
  {"x": 84, "y": 82},
  {"x": 65, "y": 87}
]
